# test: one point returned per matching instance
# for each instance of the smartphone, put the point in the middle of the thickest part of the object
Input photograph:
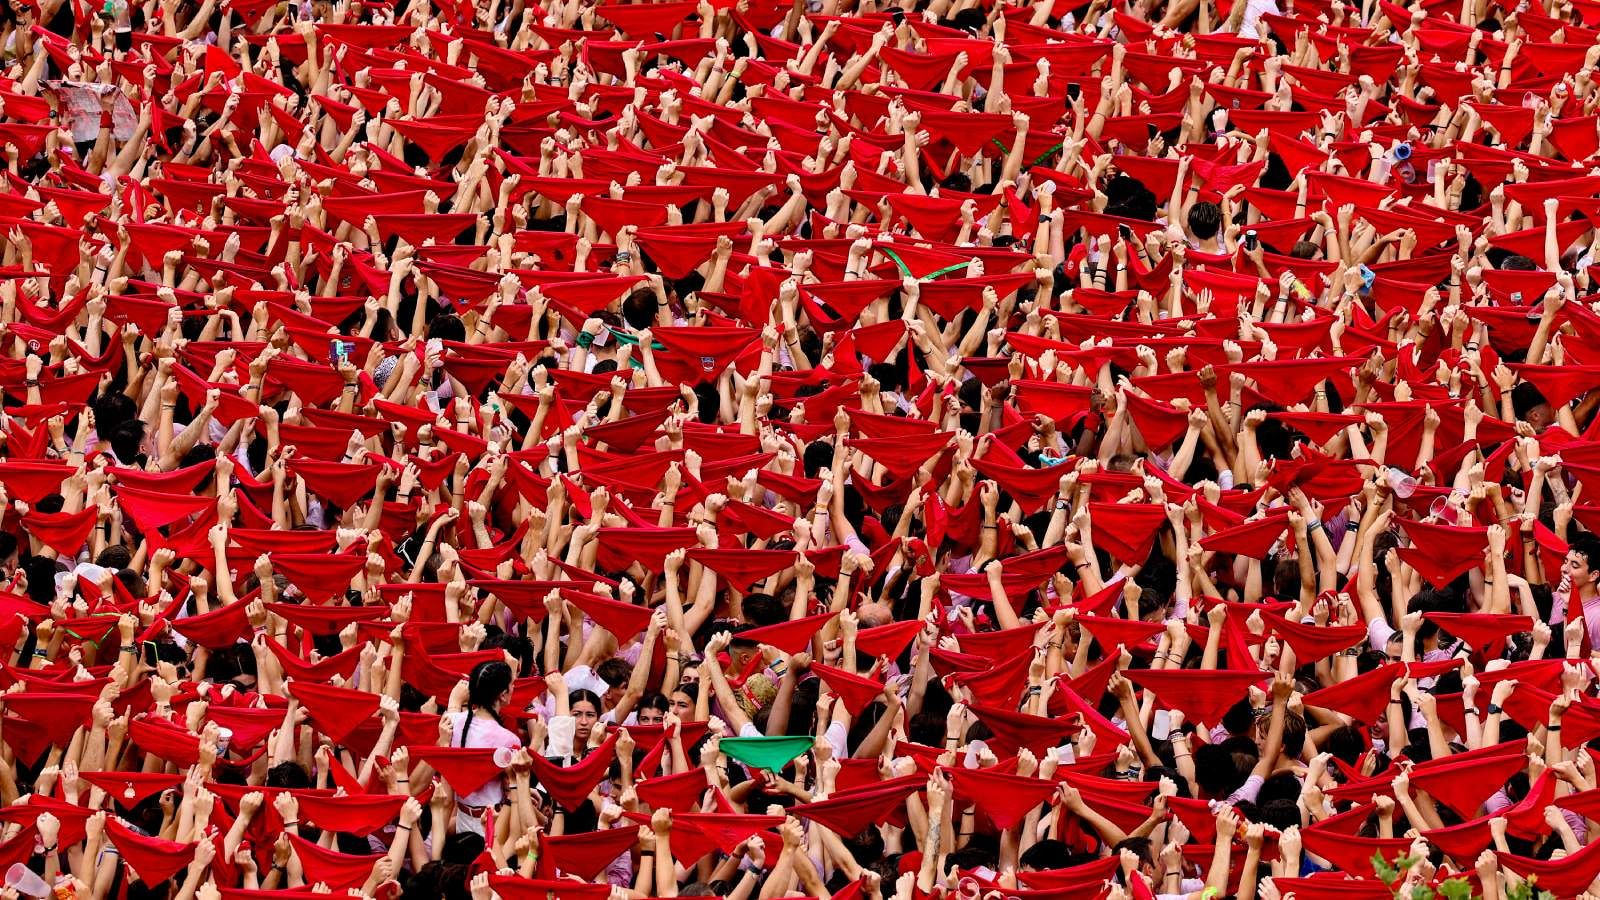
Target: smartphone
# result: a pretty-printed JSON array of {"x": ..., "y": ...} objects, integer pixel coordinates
[
  {"x": 339, "y": 351},
  {"x": 1250, "y": 241},
  {"x": 1073, "y": 90}
]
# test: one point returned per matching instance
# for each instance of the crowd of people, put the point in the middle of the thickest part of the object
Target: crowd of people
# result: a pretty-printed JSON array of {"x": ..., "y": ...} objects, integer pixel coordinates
[{"x": 872, "y": 451}]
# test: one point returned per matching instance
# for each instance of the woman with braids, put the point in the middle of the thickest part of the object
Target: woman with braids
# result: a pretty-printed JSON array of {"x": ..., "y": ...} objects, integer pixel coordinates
[{"x": 488, "y": 689}]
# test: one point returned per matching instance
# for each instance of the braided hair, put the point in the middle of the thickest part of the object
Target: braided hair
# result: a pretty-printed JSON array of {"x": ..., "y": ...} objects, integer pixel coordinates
[{"x": 487, "y": 682}]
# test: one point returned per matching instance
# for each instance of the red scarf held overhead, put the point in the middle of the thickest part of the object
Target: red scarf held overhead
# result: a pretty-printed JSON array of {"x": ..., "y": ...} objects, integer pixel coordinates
[
  {"x": 129, "y": 789},
  {"x": 570, "y": 785},
  {"x": 623, "y": 620},
  {"x": 789, "y": 637},
  {"x": 857, "y": 692},
  {"x": 361, "y": 815},
  {"x": 464, "y": 767},
  {"x": 1003, "y": 799},
  {"x": 587, "y": 855},
  {"x": 320, "y": 577},
  {"x": 340, "y": 871},
  {"x": 336, "y": 711},
  {"x": 1018, "y": 731},
  {"x": 677, "y": 792},
  {"x": 848, "y": 813},
  {"x": 152, "y": 859},
  {"x": 741, "y": 568},
  {"x": 1202, "y": 695}
]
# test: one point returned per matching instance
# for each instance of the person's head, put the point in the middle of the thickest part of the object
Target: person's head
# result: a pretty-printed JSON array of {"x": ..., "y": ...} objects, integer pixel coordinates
[
  {"x": 615, "y": 673},
  {"x": 874, "y": 613},
  {"x": 639, "y": 309},
  {"x": 126, "y": 440},
  {"x": 1143, "y": 849},
  {"x": 1205, "y": 220},
  {"x": 741, "y": 651},
  {"x": 653, "y": 708},
  {"x": 1582, "y": 567},
  {"x": 1046, "y": 854},
  {"x": 763, "y": 609},
  {"x": 681, "y": 701},
  {"x": 585, "y": 708},
  {"x": 1215, "y": 771},
  {"x": 1530, "y": 406},
  {"x": 489, "y": 686}
]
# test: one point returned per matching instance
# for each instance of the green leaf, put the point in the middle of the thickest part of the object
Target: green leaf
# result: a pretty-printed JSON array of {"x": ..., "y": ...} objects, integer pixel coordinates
[{"x": 1456, "y": 889}]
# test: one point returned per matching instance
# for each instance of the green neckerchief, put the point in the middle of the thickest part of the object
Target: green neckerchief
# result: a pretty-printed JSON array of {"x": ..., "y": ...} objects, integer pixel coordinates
[
  {"x": 770, "y": 753},
  {"x": 630, "y": 340}
]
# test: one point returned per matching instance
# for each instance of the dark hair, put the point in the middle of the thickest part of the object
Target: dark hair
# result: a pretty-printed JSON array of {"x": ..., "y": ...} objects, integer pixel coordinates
[
  {"x": 125, "y": 441},
  {"x": 1586, "y": 545},
  {"x": 639, "y": 310},
  {"x": 484, "y": 686},
  {"x": 582, "y": 695},
  {"x": 1205, "y": 219},
  {"x": 1524, "y": 397},
  {"x": 655, "y": 701},
  {"x": 615, "y": 672}
]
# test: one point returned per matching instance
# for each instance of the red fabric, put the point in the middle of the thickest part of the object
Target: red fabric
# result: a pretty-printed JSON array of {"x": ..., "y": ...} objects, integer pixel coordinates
[
  {"x": 681, "y": 791},
  {"x": 1253, "y": 539},
  {"x": 570, "y": 785},
  {"x": 789, "y": 637},
  {"x": 1126, "y": 530},
  {"x": 1564, "y": 877},
  {"x": 848, "y": 813},
  {"x": 1004, "y": 799},
  {"x": 222, "y": 627},
  {"x": 335, "y": 710},
  {"x": 1481, "y": 631},
  {"x": 1203, "y": 696},
  {"x": 320, "y": 577},
  {"x": 1440, "y": 553},
  {"x": 1313, "y": 642},
  {"x": 152, "y": 859},
  {"x": 1014, "y": 730},
  {"x": 743, "y": 569},
  {"x": 857, "y": 692},
  {"x": 62, "y": 532},
  {"x": 249, "y": 726},
  {"x": 151, "y": 510},
  {"x": 340, "y": 871},
  {"x": 55, "y": 715},
  {"x": 129, "y": 789},
  {"x": 1464, "y": 780},
  {"x": 623, "y": 620},
  {"x": 164, "y": 740},
  {"x": 1349, "y": 853},
  {"x": 587, "y": 855},
  {"x": 358, "y": 815}
]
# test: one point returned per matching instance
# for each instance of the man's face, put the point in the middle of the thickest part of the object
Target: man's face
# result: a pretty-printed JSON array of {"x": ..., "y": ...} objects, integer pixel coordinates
[
  {"x": 612, "y": 697},
  {"x": 1578, "y": 572}
]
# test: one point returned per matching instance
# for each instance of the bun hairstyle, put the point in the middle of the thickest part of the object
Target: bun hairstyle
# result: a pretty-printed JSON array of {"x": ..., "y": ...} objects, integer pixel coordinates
[{"x": 484, "y": 686}]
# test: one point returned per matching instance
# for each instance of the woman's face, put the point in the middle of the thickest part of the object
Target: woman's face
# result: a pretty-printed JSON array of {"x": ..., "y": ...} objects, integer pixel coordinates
[
  {"x": 586, "y": 715},
  {"x": 682, "y": 706},
  {"x": 651, "y": 716}
]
